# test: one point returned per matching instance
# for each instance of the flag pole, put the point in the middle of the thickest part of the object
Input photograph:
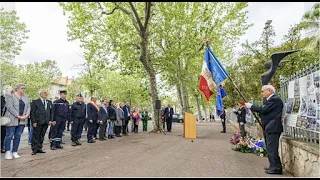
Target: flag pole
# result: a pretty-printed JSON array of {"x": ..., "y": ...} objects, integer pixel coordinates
[{"x": 207, "y": 43}]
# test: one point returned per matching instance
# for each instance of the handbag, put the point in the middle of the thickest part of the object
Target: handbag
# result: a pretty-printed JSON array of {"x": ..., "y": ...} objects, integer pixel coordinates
[{"x": 5, "y": 120}]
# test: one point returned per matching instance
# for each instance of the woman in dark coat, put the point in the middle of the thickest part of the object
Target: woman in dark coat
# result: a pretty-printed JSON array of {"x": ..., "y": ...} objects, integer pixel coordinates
[{"x": 112, "y": 113}]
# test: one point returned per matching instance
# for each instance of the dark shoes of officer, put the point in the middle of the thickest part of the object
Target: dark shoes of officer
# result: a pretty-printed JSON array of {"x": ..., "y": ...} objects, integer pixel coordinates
[
  {"x": 223, "y": 132},
  {"x": 77, "y": 142},
  {"x": 39, "y": 151},
  {"x": 91, "y": 141},
  {"x": 269, "y": 171},
  {"x": 60, "y": 147},
  {"x": 110, "y": 137}
]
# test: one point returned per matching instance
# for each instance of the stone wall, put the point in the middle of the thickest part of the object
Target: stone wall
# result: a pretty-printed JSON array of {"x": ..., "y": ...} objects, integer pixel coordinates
[{"x": 299, "y": 158}]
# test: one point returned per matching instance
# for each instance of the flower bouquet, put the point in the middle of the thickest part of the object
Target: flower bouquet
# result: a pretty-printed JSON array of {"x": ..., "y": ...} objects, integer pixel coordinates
[
  {"x": 258, "y": 147},
  {"x": 235, "y": 139}
]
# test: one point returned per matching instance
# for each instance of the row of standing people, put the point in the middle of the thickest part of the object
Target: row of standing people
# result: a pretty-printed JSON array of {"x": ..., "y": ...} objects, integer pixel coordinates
[{"x": 44, "y": 113}]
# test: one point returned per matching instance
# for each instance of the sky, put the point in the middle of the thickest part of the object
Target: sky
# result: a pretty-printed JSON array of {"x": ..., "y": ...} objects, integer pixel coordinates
[{"x": 48, "y": 30}]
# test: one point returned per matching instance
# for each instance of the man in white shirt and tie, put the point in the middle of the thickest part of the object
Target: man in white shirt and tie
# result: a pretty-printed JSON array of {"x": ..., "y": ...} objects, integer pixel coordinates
[{"x": 41, "y": 117}]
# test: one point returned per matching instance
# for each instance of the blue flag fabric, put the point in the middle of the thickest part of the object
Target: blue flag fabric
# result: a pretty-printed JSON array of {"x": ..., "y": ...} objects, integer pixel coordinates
[
  {"x": 220, "y": 95},
  {"x": 218, "y": 72}
]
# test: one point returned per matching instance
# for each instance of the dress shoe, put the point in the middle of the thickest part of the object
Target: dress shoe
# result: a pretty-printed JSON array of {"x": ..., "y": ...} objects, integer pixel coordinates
[
  {"x": 273, "y": 171},
  {"x": 41, "y": 151},
  {"x": 60, "y": 147},
  {"x": 266, "y": 168},
  {"x": 33, "y": 153},
  {"x": 53, "y": 148},
  {"x": 78, "y": 143},
  {"x": 223, "y": 132},
  {"x": 91, "y": 141}
]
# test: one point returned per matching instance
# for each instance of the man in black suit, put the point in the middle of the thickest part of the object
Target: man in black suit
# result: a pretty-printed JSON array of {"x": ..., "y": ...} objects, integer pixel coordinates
[
  {"x": 223, "y": 120},
  {"x": 270, "y": 114},
  {"x": 168, "y": 114},
  {"x": 126, "y": 111},
  {"x": 77, "y": 119},
  {"x": 41, "y": 117},
  {"x": 92, "y": 120},
  {"x": 103, "y": 119}
]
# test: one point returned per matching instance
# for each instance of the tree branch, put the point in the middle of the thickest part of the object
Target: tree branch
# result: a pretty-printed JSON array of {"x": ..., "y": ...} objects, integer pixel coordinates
[
  {"x": 147, "y": 14},
  {"x": 137, "y": 16},
  {"x": 104, "y": 12}
]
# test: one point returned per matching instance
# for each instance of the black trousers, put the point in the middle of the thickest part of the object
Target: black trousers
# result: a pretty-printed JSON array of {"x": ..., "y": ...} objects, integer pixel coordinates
[
  {"x": 117, "y": 130},
  {"x": 57, "y": 132},
  {"x": 91, "y": 129},
  {"x": 3, "y": 135},
  {"x": 242, "y": 130},
  {"x": 76, "y": 129},
  {"x": 223, "y": 121},
  {"x": 272, "y": 145},
  {"x": 102, "y": 130},
  {"x": 169, "y": 124},
  {"x": 125, "y": 125},
  {"x": 38, "y": 134},
  {"x": 135, "y": 128},
  {"x": 95, "y": 129}
]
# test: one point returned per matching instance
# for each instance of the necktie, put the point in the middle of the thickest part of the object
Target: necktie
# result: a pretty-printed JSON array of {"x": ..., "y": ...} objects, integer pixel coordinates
[{"x": 44, "y": 103}]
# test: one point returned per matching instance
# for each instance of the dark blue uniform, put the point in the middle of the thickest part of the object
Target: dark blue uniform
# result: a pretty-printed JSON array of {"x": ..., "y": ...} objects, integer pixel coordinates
[
  {"x": 78, "y": 117},
  {"x": 60, "y": 116}
]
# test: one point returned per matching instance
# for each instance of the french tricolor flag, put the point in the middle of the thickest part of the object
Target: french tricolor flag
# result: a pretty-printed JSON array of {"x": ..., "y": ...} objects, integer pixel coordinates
[{"x": 212, "y": 74}]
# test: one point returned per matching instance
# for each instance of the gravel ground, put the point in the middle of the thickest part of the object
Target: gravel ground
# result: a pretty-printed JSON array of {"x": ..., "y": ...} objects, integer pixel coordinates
[{"x": 142, "y": 155}]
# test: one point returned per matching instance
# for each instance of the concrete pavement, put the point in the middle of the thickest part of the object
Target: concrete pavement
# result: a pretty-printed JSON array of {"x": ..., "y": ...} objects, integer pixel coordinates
[{"x": 144, "y": 155}]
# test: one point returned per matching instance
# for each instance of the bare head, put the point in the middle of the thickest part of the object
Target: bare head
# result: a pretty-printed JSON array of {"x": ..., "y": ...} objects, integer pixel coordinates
[
  {"x": 7, "y": 90},
  {"x": 104, "y": 102},
  {"x": 19, "y": 88},
  {"x": 43, "y": 93},
  {"x": 94, "y": 98},
  {"x": 267, "y": 90}
]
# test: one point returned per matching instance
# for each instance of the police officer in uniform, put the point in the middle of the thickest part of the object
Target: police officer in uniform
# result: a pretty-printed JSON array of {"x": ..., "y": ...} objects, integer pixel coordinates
[
  {"x": 60, "y": 116},
  {"x": 77, "y": 119}
]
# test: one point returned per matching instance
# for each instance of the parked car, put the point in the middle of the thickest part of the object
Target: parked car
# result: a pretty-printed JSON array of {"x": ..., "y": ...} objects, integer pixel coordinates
[{"x": 177, "y": 118}]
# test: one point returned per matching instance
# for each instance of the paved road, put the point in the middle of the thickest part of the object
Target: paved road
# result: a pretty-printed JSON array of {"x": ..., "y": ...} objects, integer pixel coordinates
[{"x": 144, "y": 155}]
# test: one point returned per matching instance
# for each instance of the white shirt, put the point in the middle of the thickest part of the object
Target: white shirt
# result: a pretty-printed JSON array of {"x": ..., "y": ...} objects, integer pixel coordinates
[
  {"x": 44, "y": 100},
  {"x": 269, "y": 97}
]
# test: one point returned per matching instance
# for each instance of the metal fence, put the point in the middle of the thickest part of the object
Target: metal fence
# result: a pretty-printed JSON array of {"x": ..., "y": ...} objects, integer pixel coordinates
[{"x": 299, "y": 133}]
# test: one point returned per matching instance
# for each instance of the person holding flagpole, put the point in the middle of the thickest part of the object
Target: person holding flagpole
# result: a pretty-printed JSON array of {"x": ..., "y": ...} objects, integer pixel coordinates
[{"x": 271, "y": 115}]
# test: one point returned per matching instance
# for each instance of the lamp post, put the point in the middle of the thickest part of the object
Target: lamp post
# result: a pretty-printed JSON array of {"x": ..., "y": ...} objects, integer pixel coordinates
[{"x": 266, "y": 27}]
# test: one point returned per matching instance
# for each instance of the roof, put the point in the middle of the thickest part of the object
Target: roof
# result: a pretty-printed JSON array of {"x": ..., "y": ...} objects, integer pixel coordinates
[{"x": 63, "y": 81}]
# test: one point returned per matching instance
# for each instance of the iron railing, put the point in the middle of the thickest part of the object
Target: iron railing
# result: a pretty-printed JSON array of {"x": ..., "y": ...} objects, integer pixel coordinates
[{"x": 299, "y": 133}]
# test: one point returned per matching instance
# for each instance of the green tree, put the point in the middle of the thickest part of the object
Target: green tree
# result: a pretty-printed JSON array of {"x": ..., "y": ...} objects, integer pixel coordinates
[
  {"x": 12, "y": 34},
  {"x": 38, "y": 75}
]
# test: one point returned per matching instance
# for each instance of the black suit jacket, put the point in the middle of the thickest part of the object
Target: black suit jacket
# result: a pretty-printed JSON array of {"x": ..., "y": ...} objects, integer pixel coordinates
[
  {"x": 168, "y": 113},
  {"x": 241, "y": 115},
  {"x": 270, "y": 114},
  {"x": 39, "y": 114},
  {"x": 103, "y": 114},
  {"x": 92, "y": 112}
]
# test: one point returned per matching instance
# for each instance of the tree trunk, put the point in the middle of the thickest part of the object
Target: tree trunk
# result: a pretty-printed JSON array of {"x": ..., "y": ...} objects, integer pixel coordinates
[
  {"x": 198, "y": 106},
  {"x": 185, "y": 96},
  {"x": 179, "y": 97},
  {"x": 147, "y": 63}
]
